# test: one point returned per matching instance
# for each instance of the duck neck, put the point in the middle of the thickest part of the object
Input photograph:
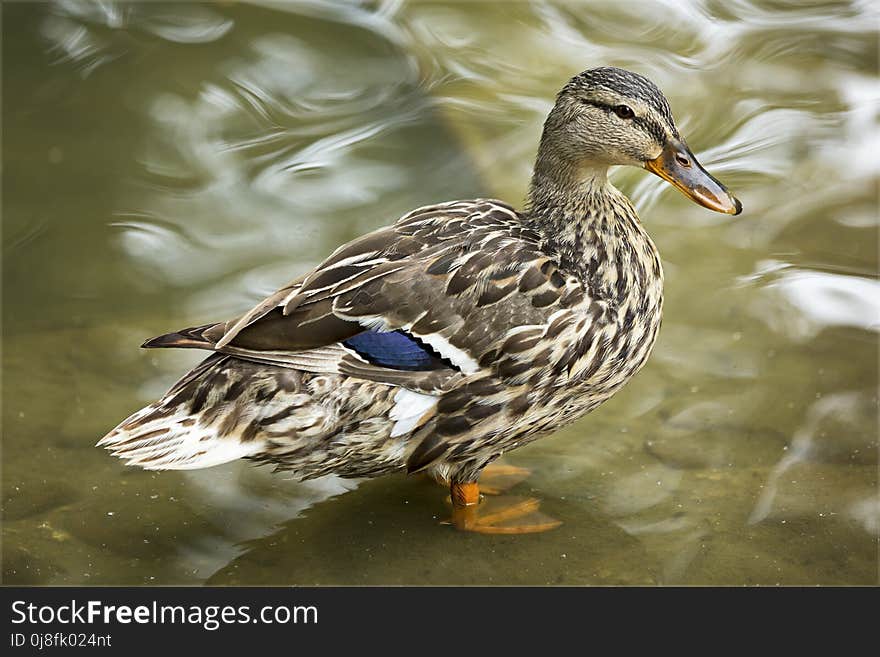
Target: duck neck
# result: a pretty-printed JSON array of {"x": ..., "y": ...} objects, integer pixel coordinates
[
  {"x": 562, "y": 196},
  {"x": 574, "y": 207},
  {"x": 593, "y": 229}
]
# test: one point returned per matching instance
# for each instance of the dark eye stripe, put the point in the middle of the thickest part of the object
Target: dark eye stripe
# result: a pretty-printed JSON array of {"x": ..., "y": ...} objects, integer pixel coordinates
[
  {"x": 648, "y": 125},
  {"x": 593, "y": 103}
]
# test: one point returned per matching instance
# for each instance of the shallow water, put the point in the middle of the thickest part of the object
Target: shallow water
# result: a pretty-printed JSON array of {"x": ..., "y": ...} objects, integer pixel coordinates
[{"x": 167, "y": 165}]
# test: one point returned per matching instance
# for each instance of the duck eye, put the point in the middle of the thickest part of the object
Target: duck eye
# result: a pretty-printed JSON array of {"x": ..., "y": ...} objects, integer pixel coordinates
[{"x": 624, "y": 112}]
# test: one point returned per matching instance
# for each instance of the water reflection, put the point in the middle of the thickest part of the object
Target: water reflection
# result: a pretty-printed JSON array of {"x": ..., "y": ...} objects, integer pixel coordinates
[
  {"x": 802, "y": 303},
  {"x": 834, "y": 432},
  {"x": 391, "y": 535},
  {"x": 173, "y": 163}
]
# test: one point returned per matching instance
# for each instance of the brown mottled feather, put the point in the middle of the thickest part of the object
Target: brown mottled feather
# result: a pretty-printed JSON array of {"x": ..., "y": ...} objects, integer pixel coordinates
[{"x": 528, "y": 320}]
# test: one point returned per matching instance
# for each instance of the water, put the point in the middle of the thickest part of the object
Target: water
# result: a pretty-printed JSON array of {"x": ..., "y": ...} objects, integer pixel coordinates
[{"x": 167, "y": 165}]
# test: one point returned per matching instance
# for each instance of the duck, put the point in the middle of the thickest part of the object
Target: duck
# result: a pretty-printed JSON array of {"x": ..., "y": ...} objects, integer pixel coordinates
[{"x": 462, "y": 331}]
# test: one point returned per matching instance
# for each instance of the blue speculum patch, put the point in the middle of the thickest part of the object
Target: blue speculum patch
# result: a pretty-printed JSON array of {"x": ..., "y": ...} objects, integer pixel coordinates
[{"x": 396, "y": 350}]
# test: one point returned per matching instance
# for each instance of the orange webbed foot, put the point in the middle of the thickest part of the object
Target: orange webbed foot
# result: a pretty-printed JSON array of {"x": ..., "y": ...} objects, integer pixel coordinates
[{"x": 499, "y": 515}]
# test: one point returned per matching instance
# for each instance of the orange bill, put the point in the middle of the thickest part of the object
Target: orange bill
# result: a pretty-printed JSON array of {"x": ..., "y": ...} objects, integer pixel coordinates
[{"x": 678, "y": 166}]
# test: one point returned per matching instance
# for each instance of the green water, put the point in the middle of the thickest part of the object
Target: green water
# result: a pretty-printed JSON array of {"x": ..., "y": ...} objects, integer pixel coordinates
[{"x": 167, "y": 165}]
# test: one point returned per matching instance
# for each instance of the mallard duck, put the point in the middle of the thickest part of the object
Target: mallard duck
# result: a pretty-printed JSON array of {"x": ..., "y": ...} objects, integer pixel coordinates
[{"x": 462, "y": 331}]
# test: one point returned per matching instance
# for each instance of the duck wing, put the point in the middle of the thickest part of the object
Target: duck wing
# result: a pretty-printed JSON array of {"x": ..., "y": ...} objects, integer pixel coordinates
[{"x": 420, "y": 304}]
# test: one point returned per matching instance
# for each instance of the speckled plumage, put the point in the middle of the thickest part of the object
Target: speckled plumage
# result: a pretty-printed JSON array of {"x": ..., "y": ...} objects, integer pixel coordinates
[{"x": 528, "y": 320}]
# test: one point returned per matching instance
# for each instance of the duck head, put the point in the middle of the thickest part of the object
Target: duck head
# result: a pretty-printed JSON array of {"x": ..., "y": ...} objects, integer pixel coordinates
[{"x": 609, "y": 116}]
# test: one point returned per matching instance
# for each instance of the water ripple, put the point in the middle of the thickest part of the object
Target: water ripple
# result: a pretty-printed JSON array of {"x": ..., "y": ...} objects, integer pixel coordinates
[
  {"x": 200, "y": 155},
  {"x": 800, "y": 303}
]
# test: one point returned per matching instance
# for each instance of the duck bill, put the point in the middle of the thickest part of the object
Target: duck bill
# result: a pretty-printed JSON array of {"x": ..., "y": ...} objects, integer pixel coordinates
[{"x": 678, "y": 166}]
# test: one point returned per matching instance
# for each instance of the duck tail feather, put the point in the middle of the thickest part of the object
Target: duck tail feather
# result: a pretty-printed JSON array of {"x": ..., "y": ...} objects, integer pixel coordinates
[{"x": 197, "y": 337}]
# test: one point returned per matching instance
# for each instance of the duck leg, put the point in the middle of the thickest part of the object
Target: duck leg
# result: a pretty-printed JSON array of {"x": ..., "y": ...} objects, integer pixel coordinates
[
  {"x": 500, "y": 515},
  {"x": 497, "y": 478}
]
